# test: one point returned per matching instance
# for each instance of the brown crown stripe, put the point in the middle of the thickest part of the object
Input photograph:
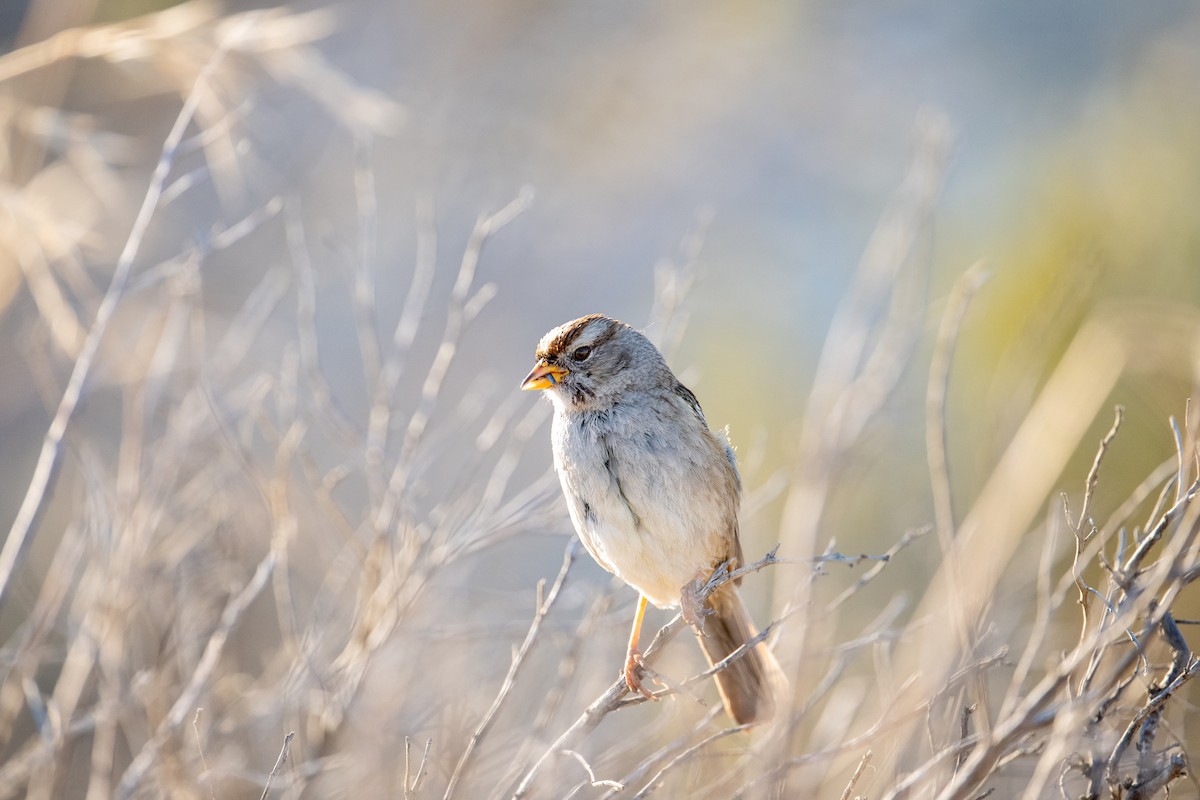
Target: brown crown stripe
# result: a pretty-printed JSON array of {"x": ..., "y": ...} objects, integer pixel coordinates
[{"x": 559, "y": 344}]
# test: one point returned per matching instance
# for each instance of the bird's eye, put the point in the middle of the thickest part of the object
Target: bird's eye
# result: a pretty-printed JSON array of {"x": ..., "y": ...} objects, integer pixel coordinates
[{"x": 581, "y": 353}]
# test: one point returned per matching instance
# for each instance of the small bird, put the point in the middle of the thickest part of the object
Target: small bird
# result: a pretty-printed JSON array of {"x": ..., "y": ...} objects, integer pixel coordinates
[{"x": 653, "y": 494}]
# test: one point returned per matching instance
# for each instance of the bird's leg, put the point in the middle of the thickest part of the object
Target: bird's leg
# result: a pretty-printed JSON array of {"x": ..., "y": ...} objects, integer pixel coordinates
[
  {"x": 691, "y": 602},
  {"x": 633, "y": 658}
]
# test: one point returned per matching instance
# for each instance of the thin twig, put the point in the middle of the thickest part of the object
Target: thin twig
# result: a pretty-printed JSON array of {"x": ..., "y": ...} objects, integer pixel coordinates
[
  {"x": 463, "y": 307},
  {"x": 233, "y": 613},
  {"x": 283, "y": 754},
  {"x": 936, "y": 436},
  {"x": 592, "y": 774},
  {"x": 200, "y": 747},
  {"x": 1077, "y": 564},
  {"x": 642, "y": 770},
  {"x": 904, "y": 541},
  {"x": 506, "y": 686},
  {"x": 1133, "y": 564},
  {"x": 858, "y": 772},
  {"x": 50, "y": 459},
  {"x": 586, "y": 722},
  {"x": 1153, "y": 704},
  {"x": 686, "y": 754},
  {"x": 936, "y": 449},
  {"x": 410, "y": 786},
  {"x": 330, "y": 415}
]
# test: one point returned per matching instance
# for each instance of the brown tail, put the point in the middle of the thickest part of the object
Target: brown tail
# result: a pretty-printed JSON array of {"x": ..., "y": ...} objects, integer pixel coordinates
[{"x": 751, "y": 685}]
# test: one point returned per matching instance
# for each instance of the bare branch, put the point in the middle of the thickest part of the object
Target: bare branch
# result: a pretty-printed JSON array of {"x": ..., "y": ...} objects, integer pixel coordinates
[
  {"x": 535, "y": 627},
  {"x": 50, "y": 458},
  {"x": 186, "y": 701}
]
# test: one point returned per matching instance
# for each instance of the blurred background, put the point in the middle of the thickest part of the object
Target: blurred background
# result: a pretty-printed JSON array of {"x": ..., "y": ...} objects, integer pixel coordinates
[{"x": 304, "y": 366}]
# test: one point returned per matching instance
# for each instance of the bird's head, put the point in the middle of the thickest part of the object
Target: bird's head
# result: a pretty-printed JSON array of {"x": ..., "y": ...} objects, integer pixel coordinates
[{"x": 592, "y": 361}]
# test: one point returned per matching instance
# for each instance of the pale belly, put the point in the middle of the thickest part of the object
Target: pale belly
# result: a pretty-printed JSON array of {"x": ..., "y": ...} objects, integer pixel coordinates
[
  {"x": 657, "y": 563},
  {"x": 657, "y": 524}
]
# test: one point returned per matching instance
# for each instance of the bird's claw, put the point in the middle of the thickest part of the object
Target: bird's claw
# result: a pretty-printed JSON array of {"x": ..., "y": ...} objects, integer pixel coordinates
[
  {"x": 633, "y": 679},
  {"x": 691, "y": 604}
]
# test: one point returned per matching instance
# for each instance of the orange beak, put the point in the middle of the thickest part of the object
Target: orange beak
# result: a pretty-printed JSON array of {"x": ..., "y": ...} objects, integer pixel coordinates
[{"x": 544, "y": 375}]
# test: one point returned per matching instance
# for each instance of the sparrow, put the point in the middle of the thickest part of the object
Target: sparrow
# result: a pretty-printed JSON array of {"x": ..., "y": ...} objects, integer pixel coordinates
[{"x": 653, "y": 494}]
